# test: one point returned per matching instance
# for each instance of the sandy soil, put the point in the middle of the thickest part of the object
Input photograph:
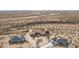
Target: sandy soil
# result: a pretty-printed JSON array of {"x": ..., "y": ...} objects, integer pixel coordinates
[{"x": 64, "y": 24}]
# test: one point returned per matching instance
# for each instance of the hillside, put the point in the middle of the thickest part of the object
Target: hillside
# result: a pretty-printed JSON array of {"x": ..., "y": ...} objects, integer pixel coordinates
[{"x": 38, "y": 28}]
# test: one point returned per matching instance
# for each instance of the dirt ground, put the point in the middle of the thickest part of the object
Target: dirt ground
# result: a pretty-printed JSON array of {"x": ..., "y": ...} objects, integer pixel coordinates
[{"x": 39, "y": 29}]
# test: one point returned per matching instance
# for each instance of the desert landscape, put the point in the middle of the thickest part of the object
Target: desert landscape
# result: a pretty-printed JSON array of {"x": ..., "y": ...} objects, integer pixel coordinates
[{"x": 39, "y": 29}]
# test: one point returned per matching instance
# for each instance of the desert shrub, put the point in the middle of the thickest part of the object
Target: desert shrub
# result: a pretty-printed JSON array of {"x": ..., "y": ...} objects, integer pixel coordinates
[{"x": 72, "y": 20}]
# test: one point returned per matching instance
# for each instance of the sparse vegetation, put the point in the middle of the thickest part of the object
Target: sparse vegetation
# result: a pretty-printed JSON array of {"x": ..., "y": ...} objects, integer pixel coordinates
[{"x": 47, "y": 24}]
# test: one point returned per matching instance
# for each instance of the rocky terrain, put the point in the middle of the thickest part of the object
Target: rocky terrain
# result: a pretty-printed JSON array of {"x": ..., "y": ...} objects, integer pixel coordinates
[{"x": 39, "y": 29}]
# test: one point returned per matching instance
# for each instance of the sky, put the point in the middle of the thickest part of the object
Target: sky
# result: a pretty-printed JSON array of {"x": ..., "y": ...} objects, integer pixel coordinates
[{"x": 39, "y": 5}]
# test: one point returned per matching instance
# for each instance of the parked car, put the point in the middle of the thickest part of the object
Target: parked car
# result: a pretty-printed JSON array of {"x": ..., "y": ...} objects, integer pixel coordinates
[{"x": 17, "y": 39}]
